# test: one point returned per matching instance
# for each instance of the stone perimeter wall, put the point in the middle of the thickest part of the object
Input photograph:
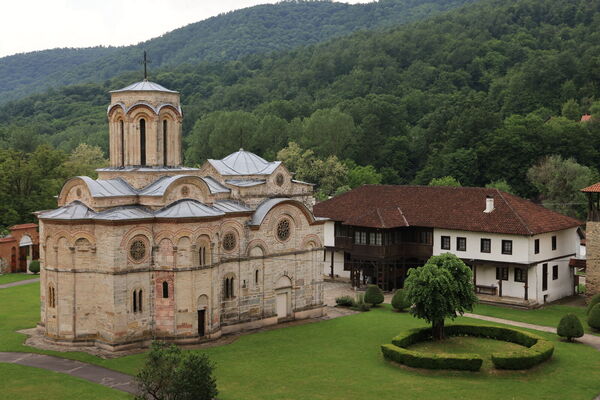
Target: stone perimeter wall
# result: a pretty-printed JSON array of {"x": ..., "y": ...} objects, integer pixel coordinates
[
  {"x": 592, "y": 276},
  {"x": 94, "y": 278}
]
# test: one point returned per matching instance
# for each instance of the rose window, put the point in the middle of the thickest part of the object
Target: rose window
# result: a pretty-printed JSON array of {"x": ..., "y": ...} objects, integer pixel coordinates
[
  {"x": 137, "y": 250},
  {"x": 283, "y": 229},
  {"x": 229, "y": 241}
]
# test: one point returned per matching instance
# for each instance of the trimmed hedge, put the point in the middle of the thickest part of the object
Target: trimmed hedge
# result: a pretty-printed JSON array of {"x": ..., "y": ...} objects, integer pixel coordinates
[
  {"x": 464, "y": 362},
  {"x": 593, "y": 301},
  {"x": 537, "y": 349}
]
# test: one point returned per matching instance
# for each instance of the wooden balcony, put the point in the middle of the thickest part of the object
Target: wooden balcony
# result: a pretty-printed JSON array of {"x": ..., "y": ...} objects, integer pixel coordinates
[{"x": 406, "y": 250}]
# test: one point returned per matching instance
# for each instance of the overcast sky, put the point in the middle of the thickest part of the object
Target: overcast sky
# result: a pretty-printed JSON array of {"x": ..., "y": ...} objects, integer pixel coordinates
[{"x": 29, "y": 25}]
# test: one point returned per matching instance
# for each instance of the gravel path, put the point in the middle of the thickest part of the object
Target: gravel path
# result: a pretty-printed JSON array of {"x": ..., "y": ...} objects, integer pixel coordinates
[{"x": 19, "y": 283}]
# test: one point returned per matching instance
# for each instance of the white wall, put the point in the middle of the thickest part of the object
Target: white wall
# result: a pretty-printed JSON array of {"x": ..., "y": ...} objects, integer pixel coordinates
[
  {"x": 329, "y": 233},
  {"x": 486, "y": 275},
  {"x": 338, "y": 264},
  {"x": 519, "y": 254}
]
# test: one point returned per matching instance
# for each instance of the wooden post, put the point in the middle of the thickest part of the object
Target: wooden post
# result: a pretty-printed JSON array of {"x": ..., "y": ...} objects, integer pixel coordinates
[
  {"x": 526, "y": 283},
  {"x": 500, "y": 286},
  {"x": 332, "y": 252}
]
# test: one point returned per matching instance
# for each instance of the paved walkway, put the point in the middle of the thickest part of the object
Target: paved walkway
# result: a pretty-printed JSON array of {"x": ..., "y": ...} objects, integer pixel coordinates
[
  {"x": 89, "y": 372},
  {"x": 590, "y": 340},
  {"x": 19, "y": 283}
]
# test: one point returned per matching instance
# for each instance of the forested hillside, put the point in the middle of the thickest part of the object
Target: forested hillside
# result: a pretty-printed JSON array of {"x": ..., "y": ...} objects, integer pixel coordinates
[
  {"x": 258, "y": 29},
  {"x": 482, "y": 94}
]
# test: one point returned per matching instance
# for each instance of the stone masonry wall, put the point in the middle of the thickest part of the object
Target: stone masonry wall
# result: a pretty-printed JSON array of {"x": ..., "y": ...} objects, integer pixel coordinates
[{"x": 592, "y": 278}]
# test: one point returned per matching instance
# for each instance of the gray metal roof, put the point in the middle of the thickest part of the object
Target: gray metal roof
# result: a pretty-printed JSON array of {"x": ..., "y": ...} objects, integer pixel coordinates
[
  {"x": 246, "y": 183},
  {"x": 108, "y": 188},
  {"x": 188, "y": 209},
  {"x": 263, "y": 209},
  {"x": 159, "y": 187},
  {"x": 144, "y": 86},
  {"x": 143, "y": 103},
  {"x": 124, "y": 213},
  {"x": 73, "y": 211},
  {"x": 148, "y": 169},
  {"x": 231, "y": 206},
  {"x": 215, "y": 186},
  {"x": 244, "y": 163},
  {"x": 302, "y": 182}
]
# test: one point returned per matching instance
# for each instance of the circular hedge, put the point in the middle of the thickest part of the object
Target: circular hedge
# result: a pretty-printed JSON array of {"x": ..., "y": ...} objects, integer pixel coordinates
[{"x": 537, "y": 349}]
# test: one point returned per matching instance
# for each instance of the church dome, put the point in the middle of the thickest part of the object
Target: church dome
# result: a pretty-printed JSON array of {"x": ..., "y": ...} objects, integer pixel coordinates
[
  {"x": 144, "y": 86},
  {"x": 244, "y": 163}
]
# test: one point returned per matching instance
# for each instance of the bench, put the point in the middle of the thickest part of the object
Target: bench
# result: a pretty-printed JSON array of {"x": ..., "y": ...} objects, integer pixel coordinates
[{"x": 486, "y": 289}]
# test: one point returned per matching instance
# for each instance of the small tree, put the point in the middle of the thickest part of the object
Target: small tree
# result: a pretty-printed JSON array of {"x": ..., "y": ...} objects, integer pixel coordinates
[
  {"x": 34, "y": 266},
  {"x": 442, "y": 288},
  {"x": 373, "y": 295},
  {"x": 594, "y": 317},
  {"x": 400, "y": 301},
  {"x": 444, "y": 181},
  {"x": 169, "y": 374},
  {"x": 570, "y": 327},
  {"x": 593, "y": 301}
]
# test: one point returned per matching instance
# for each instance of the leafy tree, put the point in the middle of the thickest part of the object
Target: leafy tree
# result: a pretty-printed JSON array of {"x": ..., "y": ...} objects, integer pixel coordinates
[
  {"x": 328, "y": 132},
  {"x": 84, "y": 161},
  {"x": 442, "y": 288},
  {"x": 501, "y": 185},
  {"x": 366, "y": 175},
  {"x": 444, "y": 181},
  {"x": 571, "y": 110},
  {"x": 570, "y": 327},
  {"x": 558, "y": 181},
  {"x": 170, "y": 374},
  {"x": 373, "y": 295},
  {"x": 595, "y": 110}
]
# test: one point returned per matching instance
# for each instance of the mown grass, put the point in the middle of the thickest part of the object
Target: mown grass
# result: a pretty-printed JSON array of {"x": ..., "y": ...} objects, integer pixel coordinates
[
  {"x": 340, "y": 359},
  {"x": 10, "y": 278},
  {"x": 545, "y": 316},
  {"x": 27, "y": 383}
]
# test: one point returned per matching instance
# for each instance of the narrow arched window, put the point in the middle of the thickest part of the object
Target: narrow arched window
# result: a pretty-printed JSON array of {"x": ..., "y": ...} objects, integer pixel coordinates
[
  {"x": 122, "y": 129},
  {"x": 231, "y": 294},
  {"x": 256, "y": 276},
  {"x": 142, "y": 141},
  {"x": 202, "y": 255},
  {"x": 165, "y": 143},
  {"x": 165, "y": 287},
  {"x": 135, "y": 301},
  {"x": 140, "y": 301}
]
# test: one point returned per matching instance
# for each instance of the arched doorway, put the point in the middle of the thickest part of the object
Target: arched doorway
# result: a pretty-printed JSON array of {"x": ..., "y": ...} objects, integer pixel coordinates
[
  {"x": 283, "y": 295},
  {"x": 25, "y": 252},
  {"x": 202, "y": 315}
]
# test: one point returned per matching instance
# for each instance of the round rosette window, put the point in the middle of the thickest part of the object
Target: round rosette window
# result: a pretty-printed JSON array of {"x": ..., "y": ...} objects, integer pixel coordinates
[
  {"x": 229, "y": 241},
  {"x": 283, "y": 229},
  {"x": 137, "y": 251},
  {"x": 279, "y": 180}
]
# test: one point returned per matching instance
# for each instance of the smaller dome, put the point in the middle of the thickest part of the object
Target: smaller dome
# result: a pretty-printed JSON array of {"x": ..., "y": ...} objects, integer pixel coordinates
[
  {"x": 244, "y": 163},
  {"x": 144, "y": 86}
]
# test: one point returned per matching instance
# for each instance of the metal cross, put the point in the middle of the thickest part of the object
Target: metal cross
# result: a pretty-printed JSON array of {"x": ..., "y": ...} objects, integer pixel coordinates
[{"x": 146, "y": 61}]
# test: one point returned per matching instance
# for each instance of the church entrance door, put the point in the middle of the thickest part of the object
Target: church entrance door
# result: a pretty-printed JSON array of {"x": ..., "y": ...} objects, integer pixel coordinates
[
  {"x": 201, "y": 322},
  {"x": 282, "y": 300}
]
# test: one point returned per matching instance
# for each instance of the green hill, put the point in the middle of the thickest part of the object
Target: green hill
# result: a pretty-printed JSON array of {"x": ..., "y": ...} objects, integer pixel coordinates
[
  {"x": 476, "y": 94},
  {"x": 258, "y": 29}
]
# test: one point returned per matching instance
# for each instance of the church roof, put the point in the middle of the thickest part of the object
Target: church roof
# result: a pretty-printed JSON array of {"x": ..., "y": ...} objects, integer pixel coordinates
[
  {"x": 158, "y": 187},
  {"x": 144, "y": 86},
  {"x": 188, "y": 209},
  {"x": 108, "y": 188},
  {"x": 244, "y": 163},
  {"x": 246, "y": 182},
  {"x": 74, "y": 210}
]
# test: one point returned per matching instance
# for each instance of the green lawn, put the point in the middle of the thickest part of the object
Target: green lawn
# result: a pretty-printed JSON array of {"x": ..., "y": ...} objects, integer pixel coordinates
[
  {"x": 473, "y": 345},
  {"x": 28, "y": 383},
  {"x": 10, "y": 278},
  {"x": 340, "y": 359},
  {"x": 546, "y": 316}
]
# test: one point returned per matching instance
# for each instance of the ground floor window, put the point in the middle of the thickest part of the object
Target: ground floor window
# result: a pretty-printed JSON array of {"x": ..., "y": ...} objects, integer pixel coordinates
[
  {"x": 555, "y": 272},
  {"x": 520, "y": 275},
  {"x": 502, "y": 273}
]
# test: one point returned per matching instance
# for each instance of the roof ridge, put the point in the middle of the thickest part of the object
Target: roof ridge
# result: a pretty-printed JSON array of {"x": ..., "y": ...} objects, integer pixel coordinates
[
  {"x": 515, "y": 212},
  {"x": 380, "y": 218}
]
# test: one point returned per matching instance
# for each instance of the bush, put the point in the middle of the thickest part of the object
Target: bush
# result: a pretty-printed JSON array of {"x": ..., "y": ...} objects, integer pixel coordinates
[
  {"x": 570, "y": 327},
  {"x": 373, "y": 295},
  {"x": 463, "y": 362},
  {"x": 359, "y": 303},
  {"x": 537, "y": 351},
  {"x": 400, "y": 301},
  {"x": 580, "y": 288},
  {"x": 594, "y": 317},
  {"x": 345, "y": 301},
  {"x": 593, "y": 301},
  {"x": 34, "y": 266}
]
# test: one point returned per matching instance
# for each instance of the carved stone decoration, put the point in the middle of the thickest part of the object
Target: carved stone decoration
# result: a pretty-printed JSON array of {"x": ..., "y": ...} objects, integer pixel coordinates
[
  {"x": 279, "y": 179},
  {"x": 283, "y": 230},
  {"x": 185, "y": 191},
  {"x": 137, "y": 251},
  {"x": 229, "y": 241}
]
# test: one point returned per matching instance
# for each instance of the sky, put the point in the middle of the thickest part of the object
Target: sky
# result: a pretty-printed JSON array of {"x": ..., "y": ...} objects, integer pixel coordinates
[{"x": 29, "y": 25}]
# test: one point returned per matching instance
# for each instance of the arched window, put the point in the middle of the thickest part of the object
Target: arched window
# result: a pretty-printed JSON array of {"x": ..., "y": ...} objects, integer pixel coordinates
[
  {"x": 228, "y": 288},
  {"x": 165, "y": 143},
  {"x": 140, "y": 301},
  {"x": 135, "y": 301},
  {"x": 165, "y": 287},
  {"x": 51, "y": 297},
  {"x": 122, "y": 129},
  {"x": 256, "y": 276},
  {"x": 202, "y": 255},
  {"x": 142, "y": 141}
]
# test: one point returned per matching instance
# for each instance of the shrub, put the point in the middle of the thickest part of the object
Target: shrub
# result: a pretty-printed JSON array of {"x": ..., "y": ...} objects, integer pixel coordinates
[
  {"x": 524, "y": 359},
  {"x": 359, "y": 303},
  {"x": 580, "y": 288},
  {"x": 400, "y": 301},
  {"x": 570, "y": 327},
  {"x": 594, "y": 317},
  {"x": 34, "y": 266},
  {"x": 464, "y": 362},
  {"x": 373, "y": 295},
  {"x": 345, "y": 301},
  {"x": 593, "y": 301}
]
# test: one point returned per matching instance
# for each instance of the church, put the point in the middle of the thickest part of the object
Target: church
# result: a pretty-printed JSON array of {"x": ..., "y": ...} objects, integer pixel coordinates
[{"x": 155, "y": 250}]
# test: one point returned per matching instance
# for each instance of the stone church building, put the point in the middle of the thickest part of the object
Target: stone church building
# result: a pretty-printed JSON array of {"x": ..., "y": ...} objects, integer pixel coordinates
[{"x": 155, "y": 250}]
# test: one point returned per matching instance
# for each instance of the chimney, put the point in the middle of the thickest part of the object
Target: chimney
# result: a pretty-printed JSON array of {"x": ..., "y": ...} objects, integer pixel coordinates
[{"x": 489, "y": 204}]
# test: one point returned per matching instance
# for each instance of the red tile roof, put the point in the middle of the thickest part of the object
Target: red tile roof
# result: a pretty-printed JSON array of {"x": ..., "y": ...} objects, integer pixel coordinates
[
  {"x": 7, "y": 239},
  {"x": 22, "y": 226},
  {"x": 460, "y": 208},
  {"x": 586, "y": 118},
  {"x": 595, "y": 188}
]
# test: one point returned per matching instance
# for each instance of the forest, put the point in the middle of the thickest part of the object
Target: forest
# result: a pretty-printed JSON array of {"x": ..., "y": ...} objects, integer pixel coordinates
[
  {"x": 489, "y": 94},
  {"x": 253, "y": 30}
]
